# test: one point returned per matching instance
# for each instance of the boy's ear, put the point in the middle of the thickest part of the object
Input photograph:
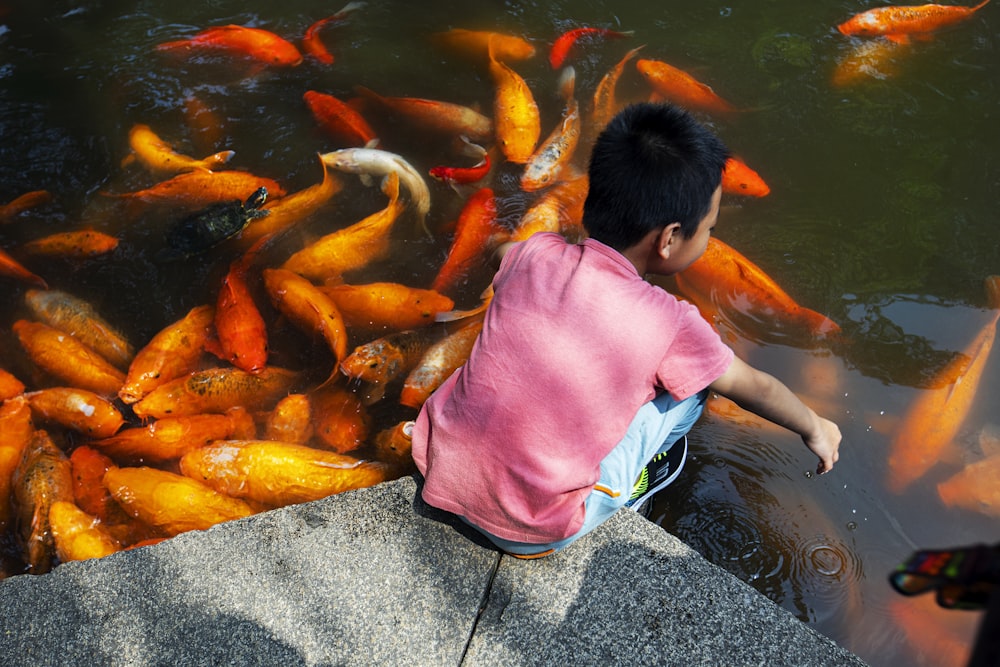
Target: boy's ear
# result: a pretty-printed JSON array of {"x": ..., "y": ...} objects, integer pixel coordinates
[{"x": 668, "y": 238}]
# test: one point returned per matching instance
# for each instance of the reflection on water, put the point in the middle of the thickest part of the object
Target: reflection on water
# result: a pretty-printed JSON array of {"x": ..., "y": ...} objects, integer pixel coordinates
[{"x": 881, "y": 216}]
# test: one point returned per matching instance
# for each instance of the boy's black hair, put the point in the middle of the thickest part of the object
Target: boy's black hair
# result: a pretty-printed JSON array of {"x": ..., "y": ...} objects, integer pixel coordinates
[{"x": 652, "y": 165}]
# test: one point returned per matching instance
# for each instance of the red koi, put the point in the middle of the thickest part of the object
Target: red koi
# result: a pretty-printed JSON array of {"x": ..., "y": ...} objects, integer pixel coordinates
[
  {"x": 339, "y": 120},
  {"x": 897, "y": 23},
  {"x": 739, "y": 179},
  {"x": 12, "y": 268},
  {"x": 238, "y": 322},
  {"x": 566, "y": 41},
  {"x": 475, "y": 230},
  {"x": 313, "y": 45},
  {"x": 259, "y": 45}
]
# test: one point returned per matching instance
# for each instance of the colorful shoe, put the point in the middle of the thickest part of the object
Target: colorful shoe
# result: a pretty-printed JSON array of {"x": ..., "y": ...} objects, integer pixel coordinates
[{"x": 658, "y": 473}]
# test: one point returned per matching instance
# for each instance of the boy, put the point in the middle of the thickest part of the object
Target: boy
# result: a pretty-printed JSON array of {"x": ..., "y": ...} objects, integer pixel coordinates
[{"x": 585, "y": 377}]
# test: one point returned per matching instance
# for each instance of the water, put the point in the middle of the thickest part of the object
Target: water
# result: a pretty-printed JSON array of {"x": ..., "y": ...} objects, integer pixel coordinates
[{"x": 881, "y": 215}]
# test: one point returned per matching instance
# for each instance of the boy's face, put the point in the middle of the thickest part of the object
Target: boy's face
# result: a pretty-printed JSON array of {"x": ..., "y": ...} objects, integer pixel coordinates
[{"x": 677, "y": 253}]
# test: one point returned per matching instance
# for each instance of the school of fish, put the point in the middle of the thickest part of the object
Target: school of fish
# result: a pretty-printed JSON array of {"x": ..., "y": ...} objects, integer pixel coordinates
[{"x": 110, "y": 444}]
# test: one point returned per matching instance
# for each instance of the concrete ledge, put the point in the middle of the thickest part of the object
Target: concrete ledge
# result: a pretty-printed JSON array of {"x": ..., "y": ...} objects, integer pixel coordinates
[{"x": 377, "y": 576}]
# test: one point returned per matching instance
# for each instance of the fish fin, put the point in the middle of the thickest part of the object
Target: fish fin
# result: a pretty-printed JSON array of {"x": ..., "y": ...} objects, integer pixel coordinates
[
  {"x": 127, "y": 160},
  {"x": 366, "y": 179},
  {"x": 372, "y": 393},
  {"x": 567, "y": 83},
  {"x": 220, "y": 158},
  {"x": 372, "y": 143},
  {"x": 898, "y": 39},
  {"x": 989, "y": 440}
]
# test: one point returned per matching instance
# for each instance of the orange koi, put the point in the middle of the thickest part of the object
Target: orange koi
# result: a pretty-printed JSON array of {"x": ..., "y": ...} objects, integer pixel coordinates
[
  {"x": 463, "y": 175},
  {"x": 308, "y": 308},
  {"x": 16, "y": 431},
  {"x": 870, "y": 59},
  {"x": 557, "y": 150},
  {"x": 277, "y": 474},
  {"x": 168, "y": 438},
  {"x": 238, "y": 322},
  {"x": 78, "y": 409},
  {"x": 386, "y": 305},
  {"x": 204, "y": 123},
  {"x": 475, "y": 232},
  {"x": 80, "y": 244},
  {"x": 380, "y": 361},
  {"x": 11, "y": 268},
  {"x": 434, "y": 115},
  {"x": 340, "y": 421},
  {"x": 897, "y": 23},
  {"x": 78, "y": 535},
  {"x": 88, "y": 467},
  {"x": 78, "y": 318},
  {"x": 25, "y": 202},
  {"x": 352, "y": 247},
  {"x": 515, "y": 114},
  {"x": 216, "y": 390},
  {"x": 340, "y": 121},
  {"x": 605, "y": 106},
  {"x": 722, "y": 270},
  {"x": 170, "y": 502},
  {"x": 974, "y": 487},
  {"x": 937, "y": 636},
  {"x": 311, "y": 43},
  {"x": 680, "y": 87},
  {"x": 159, "y": 157},
  {"x": 290, "y": 420},
  {"x": 475, "y": 43},
  {"x": 394, "y": 445},
  {"x": 193, "y": 190},
  {"x": 438, "y": 363},
  {"x": 289, "y": 210},
  {"x": 172, "y": 353},
  {"x": 559, "y": 210},
  {"x": 10, "y": 386},
  {"x": 66, "y": 358},
  {"x": 41, "y": 478},
  {"x": 261, "y": 46},
  {"x": 935, "y": 417},
  {"x": 739, "y": 179},
  {"x": 561, "y": 47}
]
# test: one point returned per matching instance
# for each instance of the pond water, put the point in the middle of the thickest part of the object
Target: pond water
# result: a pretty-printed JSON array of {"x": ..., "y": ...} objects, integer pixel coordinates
[{"x": 881, "y": 216}]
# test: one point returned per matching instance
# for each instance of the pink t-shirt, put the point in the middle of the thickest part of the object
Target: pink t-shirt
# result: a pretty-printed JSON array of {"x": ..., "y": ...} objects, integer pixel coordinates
[{"x": 574, "y": 342}]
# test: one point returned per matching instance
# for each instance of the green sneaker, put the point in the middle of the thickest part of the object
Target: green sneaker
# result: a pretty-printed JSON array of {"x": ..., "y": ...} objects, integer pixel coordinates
[{"x": 658, "y": 473}]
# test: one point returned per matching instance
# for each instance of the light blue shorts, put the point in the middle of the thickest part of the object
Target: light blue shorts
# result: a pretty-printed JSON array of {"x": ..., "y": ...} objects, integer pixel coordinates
[{"x": 654, "y": 429}]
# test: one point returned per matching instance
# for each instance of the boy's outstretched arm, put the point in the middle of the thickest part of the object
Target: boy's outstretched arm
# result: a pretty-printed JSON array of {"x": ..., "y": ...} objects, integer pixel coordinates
[{"x": 765, "y": 395}]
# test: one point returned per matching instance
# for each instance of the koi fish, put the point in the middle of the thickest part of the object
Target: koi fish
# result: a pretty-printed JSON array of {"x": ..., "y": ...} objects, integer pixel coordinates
[
  {"x": 168, "y": 438},
  {"x": 276, "y": 474},
  {"x": 937, "y": 636},
  {"x": 739, "y": 179},
  {"x": 557, "y": 150},
  {"x": 722, "y": 269},
  {"x": 78, "y": 535},
  {"x": 369, "y": 162},
  {"x": 352, "y": 247},
  {"x": 870, "y": 59},
  {"x": 560, "y": 210},
  {"x": 308, "y": 308},
  {"x": 935, "y": 417},
  {"x": 261, "y": 46},
  {"x": 238, "y": 322},
  {"x": 561, "y": 47},
  {"x": 172, "y": 503},
  {"x": 515, "y": 114},
  {"x": 204, "y": 123},
  {"x": 438, "y": 363},
  {"x": 394, "y": 445},
  {"x": 289, "y": 421},
  {"x": 10, "y": 386},
  {"x": 380, "y": 361},
  {"x": 11, "y": 268},
  {"x": 434, "y": 115},
  {"x": 974, "y": 487},
  {"x": 41, "y": 478},
  {"x": 291, "y": 209},
  {"x": 462, "y": 175},
  {"x": 475, "y": 43},
  {"x": 78, "y": 318},
  {"x": 66, "y": 358},
  {"x": 216, "y": 390},
  {"x": 172, "y": 353},
  {"x": 25, "y": 202},
  {"x": 680, "y": 87},
  {"x": 340, "y": 421},
  {"x": 476, "y": 230},
  {"x": 605, "y": 106},
  {"x": 194, "y": 190},
  {"x": 313, "y": 45},
  {"x": 18, "y": 430},
  {"x": 384, "y": 305},
  {"x": 159, "y": 157},
  {"x": 897, "y": 23},
  {"x": 339, "y": 120},
  {"x": 80, "y": 244},
  {"x": 78, "y": 409}
]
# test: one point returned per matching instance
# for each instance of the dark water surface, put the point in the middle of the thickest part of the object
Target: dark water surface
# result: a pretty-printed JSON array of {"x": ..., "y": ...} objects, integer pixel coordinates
[{"x": 882, "y": 215}]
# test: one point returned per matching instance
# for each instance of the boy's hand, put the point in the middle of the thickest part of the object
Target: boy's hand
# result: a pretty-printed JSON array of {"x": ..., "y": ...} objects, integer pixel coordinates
[{"x": 824, "y": 443}]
